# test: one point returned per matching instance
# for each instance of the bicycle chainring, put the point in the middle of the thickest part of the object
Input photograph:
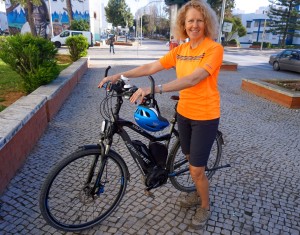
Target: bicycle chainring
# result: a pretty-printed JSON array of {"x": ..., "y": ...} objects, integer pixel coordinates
[{"x": 156, "y": 177}]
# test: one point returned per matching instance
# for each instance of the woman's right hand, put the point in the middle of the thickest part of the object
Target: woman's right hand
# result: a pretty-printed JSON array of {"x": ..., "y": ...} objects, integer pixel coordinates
[{"x": 112, "y": 79}]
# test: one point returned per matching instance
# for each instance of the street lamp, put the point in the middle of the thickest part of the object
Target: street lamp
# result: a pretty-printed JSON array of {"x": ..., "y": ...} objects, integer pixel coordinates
[
  {"x": 221, "y": 21},
  {"x": 142, "y": 13},
  {"x": 50, "y": 18},
  {"x": 141, "y": 27},
  {"x": 264, "y": 30}
]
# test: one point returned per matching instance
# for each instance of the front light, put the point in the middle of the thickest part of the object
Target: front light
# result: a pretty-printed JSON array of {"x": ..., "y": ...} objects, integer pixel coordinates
[{"x": 103, "y": 126}]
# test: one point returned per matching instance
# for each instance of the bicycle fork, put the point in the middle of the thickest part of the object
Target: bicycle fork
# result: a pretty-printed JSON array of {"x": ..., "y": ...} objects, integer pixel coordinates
[{"x": 98, "y": 187}]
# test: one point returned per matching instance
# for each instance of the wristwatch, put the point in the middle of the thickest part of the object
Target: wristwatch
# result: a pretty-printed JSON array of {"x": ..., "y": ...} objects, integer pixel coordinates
[{"x": 160, "y": 89}]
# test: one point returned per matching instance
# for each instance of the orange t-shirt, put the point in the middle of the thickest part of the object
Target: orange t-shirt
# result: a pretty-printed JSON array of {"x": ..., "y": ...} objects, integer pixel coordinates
[{"x": 202, "y": 101}]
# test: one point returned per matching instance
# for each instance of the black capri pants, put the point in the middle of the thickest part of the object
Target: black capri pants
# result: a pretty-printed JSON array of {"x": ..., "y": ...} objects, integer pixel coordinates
[{"x": 197, "y": 138}]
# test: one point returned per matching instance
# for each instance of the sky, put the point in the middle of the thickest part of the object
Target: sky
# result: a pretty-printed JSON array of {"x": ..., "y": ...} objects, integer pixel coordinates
[{"x": 249, "y": 6}]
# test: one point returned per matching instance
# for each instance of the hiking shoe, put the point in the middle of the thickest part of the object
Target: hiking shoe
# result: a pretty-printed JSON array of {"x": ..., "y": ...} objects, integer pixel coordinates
[
  {"x": 192, "y": 199},
  {"x": 200, "y": 218}
]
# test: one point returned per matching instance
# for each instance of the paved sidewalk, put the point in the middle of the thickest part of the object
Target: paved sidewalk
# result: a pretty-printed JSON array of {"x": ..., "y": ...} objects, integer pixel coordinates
[{"x": 259, "y": 194}]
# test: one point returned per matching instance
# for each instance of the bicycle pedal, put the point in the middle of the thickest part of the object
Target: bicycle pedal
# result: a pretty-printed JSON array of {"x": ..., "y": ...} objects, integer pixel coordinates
[{"x": 148, "y": 193}]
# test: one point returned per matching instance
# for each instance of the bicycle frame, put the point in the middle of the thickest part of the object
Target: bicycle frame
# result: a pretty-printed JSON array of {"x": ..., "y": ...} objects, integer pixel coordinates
[{"x": 118, "y": 128}]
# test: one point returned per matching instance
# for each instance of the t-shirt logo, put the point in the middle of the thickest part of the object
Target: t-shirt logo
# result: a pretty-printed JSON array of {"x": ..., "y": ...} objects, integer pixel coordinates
[{"x": 190, "y": 58}]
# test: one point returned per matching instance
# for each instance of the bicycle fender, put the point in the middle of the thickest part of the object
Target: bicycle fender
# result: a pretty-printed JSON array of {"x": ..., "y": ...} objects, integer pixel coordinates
[
  {"x": 220, "y": 136},
  {"x": 112, "y": 152},
  {"x": 90, "y": 146}
]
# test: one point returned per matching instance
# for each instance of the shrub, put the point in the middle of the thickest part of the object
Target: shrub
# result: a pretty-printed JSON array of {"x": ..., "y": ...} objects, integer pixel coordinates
[
  {"x": 265, "y": 44},
  {"x": 292, "y": 47},
  {"x": 33, "y": 58},
  {"x": 80, "y": 25},
  {"x": 78, "y": 46},
  {"x": 233, "y": 41},
  {"x": 256, "y": 43}
]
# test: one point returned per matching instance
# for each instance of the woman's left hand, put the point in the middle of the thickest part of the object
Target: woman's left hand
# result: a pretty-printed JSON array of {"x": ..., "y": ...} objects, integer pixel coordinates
[{"x": 140, "y": 94}]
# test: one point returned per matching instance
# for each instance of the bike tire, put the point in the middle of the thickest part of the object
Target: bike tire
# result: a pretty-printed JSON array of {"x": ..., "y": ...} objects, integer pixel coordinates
[
  {"x": 177, "y": 162},
  {"x": 64, "y": 201}
]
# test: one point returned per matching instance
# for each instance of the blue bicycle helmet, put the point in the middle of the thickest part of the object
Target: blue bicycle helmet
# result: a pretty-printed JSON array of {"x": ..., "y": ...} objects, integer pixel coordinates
[{"x": 150, "y": 119}]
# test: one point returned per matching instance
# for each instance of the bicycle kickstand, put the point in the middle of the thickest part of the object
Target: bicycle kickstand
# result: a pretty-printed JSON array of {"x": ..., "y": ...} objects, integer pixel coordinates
[{"x": 148, "y": 193}]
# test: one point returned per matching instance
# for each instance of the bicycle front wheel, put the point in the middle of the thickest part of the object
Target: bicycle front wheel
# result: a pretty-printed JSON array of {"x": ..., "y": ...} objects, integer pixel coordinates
[
  {"x": 83, "y": 189},
  {"x": 178, "y": 166}
]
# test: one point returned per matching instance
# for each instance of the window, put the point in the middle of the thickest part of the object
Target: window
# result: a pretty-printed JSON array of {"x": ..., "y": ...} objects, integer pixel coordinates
[
  {"x": 295, "y": 55},
  {"x": 248, "y": 24},
  {"x": 76, "y": 33},
  {"x": 286, "y": 53},
  {"x": 65, "y": 34}
]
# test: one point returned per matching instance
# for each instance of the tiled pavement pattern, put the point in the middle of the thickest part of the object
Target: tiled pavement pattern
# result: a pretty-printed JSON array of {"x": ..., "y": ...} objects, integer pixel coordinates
[{"x": 259, "y": 194}]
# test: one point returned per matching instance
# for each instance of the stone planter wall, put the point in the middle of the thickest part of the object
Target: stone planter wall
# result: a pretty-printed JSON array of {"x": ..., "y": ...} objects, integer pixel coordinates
[
  {"x": 229, "y": 66},
  {"x": 273, "y": 93},
  {"x": 24, "y": 122}
]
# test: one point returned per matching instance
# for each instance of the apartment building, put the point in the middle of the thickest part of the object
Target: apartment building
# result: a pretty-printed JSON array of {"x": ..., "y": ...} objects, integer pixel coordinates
[{"x": 257, "y": 29}]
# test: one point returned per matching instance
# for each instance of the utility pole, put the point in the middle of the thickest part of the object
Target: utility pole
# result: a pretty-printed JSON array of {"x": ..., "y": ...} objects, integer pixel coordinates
[
  {"x": 50, "y": 18},
  {"x": 264, "y": 31},
  {"x": 221, "y": 21}
]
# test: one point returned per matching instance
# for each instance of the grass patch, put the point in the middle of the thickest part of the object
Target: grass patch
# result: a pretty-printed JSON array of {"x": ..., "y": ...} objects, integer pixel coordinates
[
  {"x": 11, "y": 82},
  {"x": 9, "y": 79}
]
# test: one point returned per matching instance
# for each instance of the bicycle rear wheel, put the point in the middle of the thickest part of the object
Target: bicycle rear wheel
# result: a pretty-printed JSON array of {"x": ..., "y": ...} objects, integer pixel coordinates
[
  {"x": 179, "y": 167},
  {"x": 70, "y": 199}
]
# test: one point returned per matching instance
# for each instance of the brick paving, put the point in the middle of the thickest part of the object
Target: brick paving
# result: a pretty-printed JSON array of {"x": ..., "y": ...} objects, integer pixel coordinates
[{"x": 259, "y": 194}]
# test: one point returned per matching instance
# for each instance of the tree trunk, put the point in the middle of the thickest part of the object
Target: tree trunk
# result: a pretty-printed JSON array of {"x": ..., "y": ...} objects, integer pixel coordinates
[
  {"x": 286, "y": 25},
  {"x": 69, "y": 10},
  {"x": 30, "y": 18}
]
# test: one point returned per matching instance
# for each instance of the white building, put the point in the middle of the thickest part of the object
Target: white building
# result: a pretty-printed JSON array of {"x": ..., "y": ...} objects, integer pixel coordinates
[
  {"x": 90, "y": 10},
  {"x": 256, "y": 26},
  {"x": 3, "y": 18}
]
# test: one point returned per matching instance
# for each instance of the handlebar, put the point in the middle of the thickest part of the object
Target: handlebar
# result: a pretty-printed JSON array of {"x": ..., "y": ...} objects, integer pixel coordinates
[{"x": 123, "y": 88}]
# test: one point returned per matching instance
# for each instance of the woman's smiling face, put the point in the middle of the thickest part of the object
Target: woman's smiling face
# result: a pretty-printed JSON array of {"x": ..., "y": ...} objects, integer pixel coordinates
[{"x": 194, "y": 24}]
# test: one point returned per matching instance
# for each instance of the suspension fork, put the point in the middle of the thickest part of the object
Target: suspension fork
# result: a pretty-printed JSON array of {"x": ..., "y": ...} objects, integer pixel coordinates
[
  {"x": 103, "y": 158},
  {"x": 92, "y": 170},
  {"x": 98, "y": 186}
]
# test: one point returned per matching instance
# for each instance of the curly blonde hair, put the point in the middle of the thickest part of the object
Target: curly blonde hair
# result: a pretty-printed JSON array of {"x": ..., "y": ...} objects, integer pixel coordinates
[{"x": 210, "y": 19}]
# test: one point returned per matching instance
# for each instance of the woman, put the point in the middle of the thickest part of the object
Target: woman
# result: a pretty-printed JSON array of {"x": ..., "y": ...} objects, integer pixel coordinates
[{"x": 197, "y": 65}]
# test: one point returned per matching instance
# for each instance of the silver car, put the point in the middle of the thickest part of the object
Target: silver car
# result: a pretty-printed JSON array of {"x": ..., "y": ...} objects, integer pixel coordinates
[{"x": 288, "y": 59}]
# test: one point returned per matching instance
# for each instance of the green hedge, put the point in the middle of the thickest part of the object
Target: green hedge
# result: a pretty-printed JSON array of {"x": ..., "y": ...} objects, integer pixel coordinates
[
  {"x": 33, "y": 58},
  {"x": 78, "y": 46},
  {"x": 265, "y": 44}
]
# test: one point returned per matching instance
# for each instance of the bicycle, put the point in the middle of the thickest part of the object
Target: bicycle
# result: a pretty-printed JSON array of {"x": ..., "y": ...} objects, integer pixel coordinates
[{"x": 87, "y": 186}]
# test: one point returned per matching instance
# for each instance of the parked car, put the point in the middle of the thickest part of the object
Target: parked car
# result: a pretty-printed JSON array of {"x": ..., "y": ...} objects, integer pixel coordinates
[
  {"x": 61, "y": 38},
  {"x": 121, "y": 39},
  {"x": 288, "y": 59}
]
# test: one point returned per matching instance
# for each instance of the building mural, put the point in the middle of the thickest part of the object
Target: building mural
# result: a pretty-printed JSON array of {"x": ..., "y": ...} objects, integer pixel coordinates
[
  {"x": 3, "y": 18},
  {"x": 17, "y": 16}
]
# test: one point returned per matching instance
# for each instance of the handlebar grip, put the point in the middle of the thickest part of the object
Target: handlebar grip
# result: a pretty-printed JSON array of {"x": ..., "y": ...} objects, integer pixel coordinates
[
  {"x": 106, "y": 71},
  {"x": 152, "y": 85}
]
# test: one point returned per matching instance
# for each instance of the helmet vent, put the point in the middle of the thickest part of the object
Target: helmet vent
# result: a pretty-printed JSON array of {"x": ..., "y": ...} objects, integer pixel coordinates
[{"x": 149, "y": 119}]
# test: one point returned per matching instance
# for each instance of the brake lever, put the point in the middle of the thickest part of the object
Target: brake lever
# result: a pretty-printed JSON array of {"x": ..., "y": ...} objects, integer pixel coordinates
[{"x": 107, "y": 86}]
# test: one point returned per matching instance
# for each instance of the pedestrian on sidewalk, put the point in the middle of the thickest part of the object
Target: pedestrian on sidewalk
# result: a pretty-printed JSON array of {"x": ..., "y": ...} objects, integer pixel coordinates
[
  {"x": 111, "y": 43},
  {"x": 173, "y": 43},
  {"x": 197, "y": 62}
]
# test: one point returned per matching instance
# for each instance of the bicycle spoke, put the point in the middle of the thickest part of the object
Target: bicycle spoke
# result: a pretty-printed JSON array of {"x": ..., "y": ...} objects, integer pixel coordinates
[{"x": 72, "y": 203}]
